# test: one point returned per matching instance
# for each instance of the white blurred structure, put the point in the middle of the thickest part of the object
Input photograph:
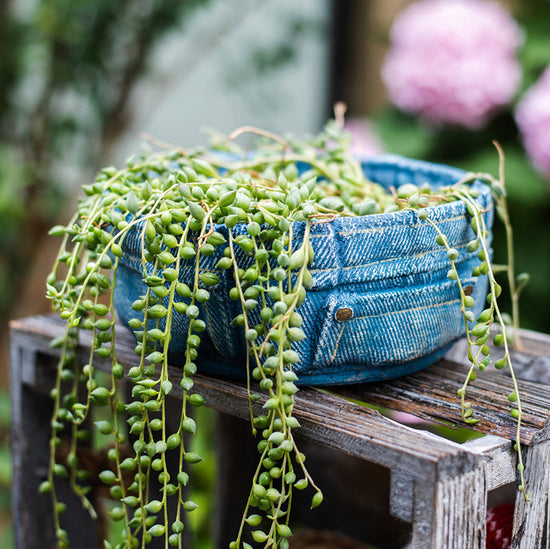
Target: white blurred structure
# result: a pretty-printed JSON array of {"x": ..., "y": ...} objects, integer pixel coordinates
[{"x": 236, "y": 63}]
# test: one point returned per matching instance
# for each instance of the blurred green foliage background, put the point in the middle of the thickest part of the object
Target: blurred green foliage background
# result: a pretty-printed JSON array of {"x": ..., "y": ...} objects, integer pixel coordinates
[
  {"x": 67, "y": 71},
  {"x": 473, "y": 150}
]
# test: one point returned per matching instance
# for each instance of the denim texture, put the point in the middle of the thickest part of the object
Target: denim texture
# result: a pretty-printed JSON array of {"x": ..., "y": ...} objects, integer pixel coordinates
[{"x": 387, "y": 269}]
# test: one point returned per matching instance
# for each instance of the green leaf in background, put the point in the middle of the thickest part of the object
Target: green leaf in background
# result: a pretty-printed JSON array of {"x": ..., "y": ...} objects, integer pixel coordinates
[
  {"x": 403, "y": 134},
  {"x": 523, "y": 183},
  {"x": 534, "y": 55},
  {"x": 5, "y": 466},
  {"x": 5, "y": 409}
]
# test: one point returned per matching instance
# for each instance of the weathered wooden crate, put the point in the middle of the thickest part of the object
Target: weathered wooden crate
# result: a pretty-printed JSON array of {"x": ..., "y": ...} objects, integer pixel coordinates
[{"x": 437, "y": 489}]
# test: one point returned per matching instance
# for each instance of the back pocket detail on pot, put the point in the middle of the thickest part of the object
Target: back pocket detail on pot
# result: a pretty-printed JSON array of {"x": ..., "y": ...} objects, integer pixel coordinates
[{"x": 395, "y": 325}]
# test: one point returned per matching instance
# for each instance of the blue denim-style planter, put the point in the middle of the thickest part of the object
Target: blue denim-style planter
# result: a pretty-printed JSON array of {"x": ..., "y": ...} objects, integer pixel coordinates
[{"x": 385, "y": 270}]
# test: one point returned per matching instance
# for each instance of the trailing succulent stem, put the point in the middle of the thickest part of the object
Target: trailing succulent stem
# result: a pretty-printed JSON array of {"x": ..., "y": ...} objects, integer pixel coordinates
[
  {"x": 209, "y": 220},
  {"x": 478, "y": 330}
]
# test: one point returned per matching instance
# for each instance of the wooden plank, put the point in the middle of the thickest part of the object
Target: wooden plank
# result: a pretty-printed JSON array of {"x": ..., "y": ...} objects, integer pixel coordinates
[
  {"x": 402, "y": 495},
  {"x": 429, "y": 394},
  {"x": 26, "y": 475},
  {"x": 532, "y": 344},
  {"x": 454, "y": 516},
  {"x": 325, "y": 418},
  {"x": 460, "y": 512},
  {"x": 443, "y": 478},
  {"x": 30, "y": 433},
  {"x": 501, "y": 467},
  {"x": 432, "y": 394},
  {"x": 531, "y": 361},
  {"x": 531, "y": 518}
]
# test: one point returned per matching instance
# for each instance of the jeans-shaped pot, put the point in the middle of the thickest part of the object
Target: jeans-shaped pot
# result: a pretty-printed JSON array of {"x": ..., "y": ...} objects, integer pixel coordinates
[{"x": 381, "y": 305}]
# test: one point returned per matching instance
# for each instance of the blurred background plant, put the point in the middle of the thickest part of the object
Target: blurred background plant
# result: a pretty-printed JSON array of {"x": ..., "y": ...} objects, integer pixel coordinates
[
  {"x": 460, "y": 74},
  {"x": 432, "y": 79},
  {"x": 79, "y": 81},
  {"x": 67, "y": 73}
]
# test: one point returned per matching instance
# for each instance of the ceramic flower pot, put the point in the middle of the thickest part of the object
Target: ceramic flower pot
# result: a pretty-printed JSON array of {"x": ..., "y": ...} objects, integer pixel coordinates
[{"x": 381, "y": 305}]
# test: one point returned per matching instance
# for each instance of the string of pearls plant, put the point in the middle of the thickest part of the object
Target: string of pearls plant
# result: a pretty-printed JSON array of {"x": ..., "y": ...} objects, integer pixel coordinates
[{"x": 177, "y": 199}]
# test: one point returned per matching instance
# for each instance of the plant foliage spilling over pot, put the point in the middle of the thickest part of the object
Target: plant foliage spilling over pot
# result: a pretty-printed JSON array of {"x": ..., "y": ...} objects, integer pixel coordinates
[{"x": 227, "y": 220}]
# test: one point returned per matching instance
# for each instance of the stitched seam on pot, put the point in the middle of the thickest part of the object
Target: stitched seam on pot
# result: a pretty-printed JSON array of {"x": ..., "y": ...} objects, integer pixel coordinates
[
  {"x": 432, "y": 306},
  {"x": 134, "y": 263},
  {"x": 362, "y": 231},
  {"x": 392, "y": 225},
  {"x": 337, "y": 343},
  {"x": 378, "y": 261}
]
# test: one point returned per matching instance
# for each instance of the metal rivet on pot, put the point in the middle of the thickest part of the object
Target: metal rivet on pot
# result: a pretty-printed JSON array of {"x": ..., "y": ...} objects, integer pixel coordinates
[
  {"x": 468, "y": 290},
  {"x": 343, "y": 314}
]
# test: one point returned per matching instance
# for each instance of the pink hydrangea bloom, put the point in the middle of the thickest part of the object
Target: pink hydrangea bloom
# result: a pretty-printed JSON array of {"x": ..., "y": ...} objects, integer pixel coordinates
[
  {"x": 364, "y": 141},
  {"x": 533, "y": 119},
  {"x": 453, "y": 61}
]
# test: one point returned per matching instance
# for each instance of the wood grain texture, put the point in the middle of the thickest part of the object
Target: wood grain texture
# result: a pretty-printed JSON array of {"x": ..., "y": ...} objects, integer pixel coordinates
[
  {"x": 531, "y": 519},
  {"x": 402, "y": 488},
  {"x": 460, "y": 512},
  {"x": 432, "y": 395},
  {"x": 326, "y": 418},
  {"x": 439, "y": 486},
  {"x": 501, "y": 466},
  {"x": 30, "y": 434},
  {"x": 453, "y": 515}
]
